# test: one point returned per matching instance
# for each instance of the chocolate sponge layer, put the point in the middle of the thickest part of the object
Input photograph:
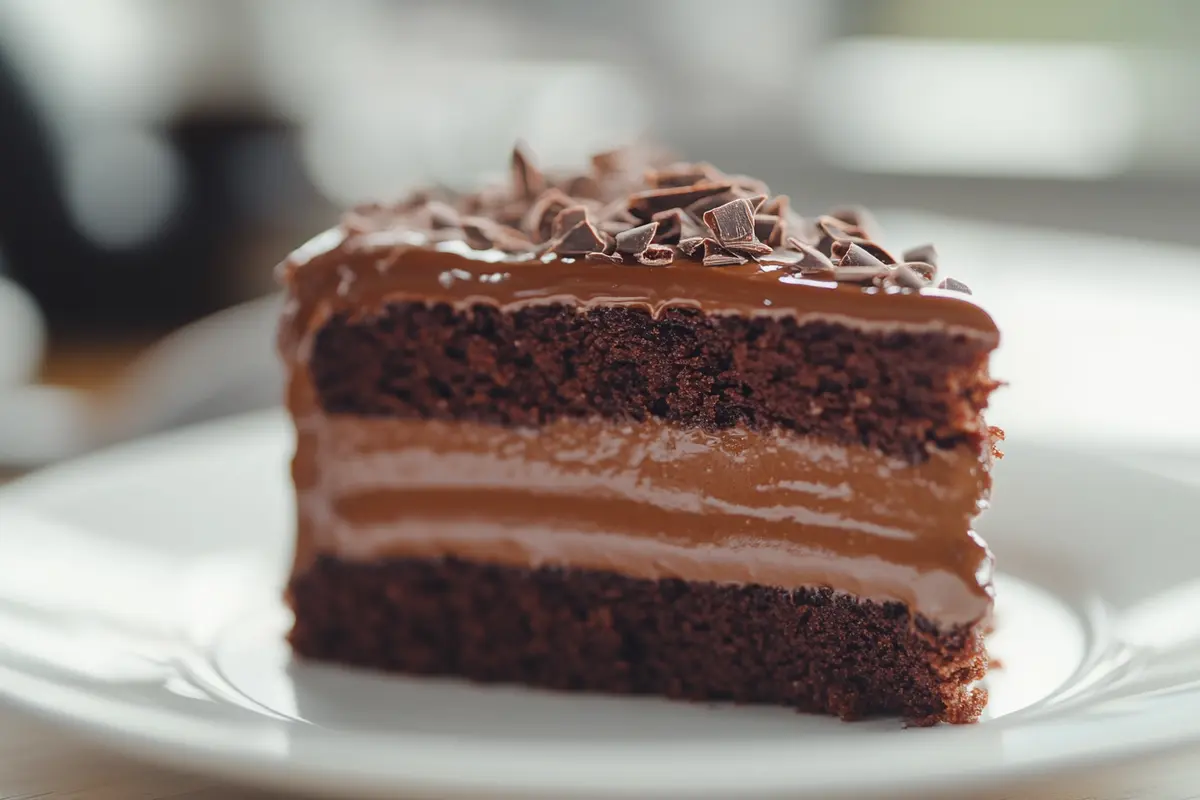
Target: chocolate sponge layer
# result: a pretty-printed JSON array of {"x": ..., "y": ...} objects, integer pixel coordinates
[
  {"x": 596, "y": 631},
  {"x": 900, "y": 392}
]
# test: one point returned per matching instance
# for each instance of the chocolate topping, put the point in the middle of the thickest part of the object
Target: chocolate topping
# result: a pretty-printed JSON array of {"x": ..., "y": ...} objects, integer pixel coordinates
[
  {"x": 954, "y": 286},
  {"x": 527, "y": 179},
  {"x": 717, "y": 256},
  {"x": 634, "y": 241},
  {"x": 852, "y": 254},
  {"x": 574, "y": 215},
  {"x": 671, "y": 224},
  {"x": 732, "y": 223},
  {"x": 925, "y": 253},
  {"x": 567, "y": 220},
  {"x": 581, "y": 240},
  {"x": 691, "y": 245},
  {"x": 646, "y": 204},
  {"x": 656, "y": 255}
]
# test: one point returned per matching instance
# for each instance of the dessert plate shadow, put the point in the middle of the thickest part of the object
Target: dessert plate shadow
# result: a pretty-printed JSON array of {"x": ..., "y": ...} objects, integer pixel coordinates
[{"x": 140, "y": 606}]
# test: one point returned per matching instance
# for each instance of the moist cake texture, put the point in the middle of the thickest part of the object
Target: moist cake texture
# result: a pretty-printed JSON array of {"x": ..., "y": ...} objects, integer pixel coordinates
[{"x": 641, "y": 429}]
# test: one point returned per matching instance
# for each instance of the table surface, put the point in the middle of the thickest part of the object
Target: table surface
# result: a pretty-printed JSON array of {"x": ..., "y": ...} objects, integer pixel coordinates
[{"x": 40, "y": 762}]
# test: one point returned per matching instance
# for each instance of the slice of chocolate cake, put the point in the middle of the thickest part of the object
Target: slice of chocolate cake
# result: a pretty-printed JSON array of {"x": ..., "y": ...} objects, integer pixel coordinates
[{"x": 641, "y": 430}]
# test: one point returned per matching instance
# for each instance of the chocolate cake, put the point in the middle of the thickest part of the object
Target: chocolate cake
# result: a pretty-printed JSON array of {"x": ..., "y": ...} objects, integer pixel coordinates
[{"x": 641, "y": 430}]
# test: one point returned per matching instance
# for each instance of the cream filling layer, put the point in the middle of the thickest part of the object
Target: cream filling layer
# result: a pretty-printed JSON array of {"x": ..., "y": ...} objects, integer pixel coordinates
[{"x": 649, "y": 500}]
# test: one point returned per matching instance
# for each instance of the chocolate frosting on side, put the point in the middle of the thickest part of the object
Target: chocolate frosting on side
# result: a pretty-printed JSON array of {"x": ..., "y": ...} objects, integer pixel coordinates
[{"x": 340, "y": 271}]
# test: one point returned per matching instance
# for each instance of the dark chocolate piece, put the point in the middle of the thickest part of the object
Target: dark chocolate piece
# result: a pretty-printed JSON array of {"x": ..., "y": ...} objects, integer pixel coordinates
[
  {"x": 859, "y": 274},
  {"x": 952, "y": 285},
  {"x": 925, "y": 270},
  {"x": 705, "y": 204},
  {"x": 847, "y": 253},
  {"x": 732, "y": 223},
  {"x": 690, "y": 245},
  {"x": 925, "y": 253},
  {"x": 905, "y": 276},
  {"x": 656, "y": 255},
  {"x": 580, "y": 240},
  {"x": 645, "y": 205},
  {"x": 683, "y": 174},
  {"x": 717, "y": 256},
  {"x": 568, "y": 219},
  {"x": 604, "y": 258},
  {"x": 670, "y": 226},
  {"x": 687, "y": 201},
  {"x": 528, "y": 181},
  {"x": 539, "y": 220},
  {"x": 634, "y": 241}
]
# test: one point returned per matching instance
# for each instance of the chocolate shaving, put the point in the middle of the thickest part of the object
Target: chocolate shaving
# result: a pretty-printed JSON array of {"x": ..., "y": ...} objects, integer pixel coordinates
[
  {"x": 732, "y": 223},
  {"x": 539, "y": 221},
  {"x": 753, "y": 249},
  {"x": 859, "y": 274},
  {"x": 683, "y": 174},
  {"x": 580, "y": 240},
  {"x": 528, "y": 181},
  {"x": 878, "y": 251},
  {"x": 717, "y": 256},
  {"x": 858, "y": 218},
  {"x": 830, "y": 230},
  {"x": 441, "y": 215},
  {"x": 635, "y": 207},
  {"x": 609, "y": 162},
  {"x": 566, "y": 220},
  {"x": 812, "y": 258},
  {"x": 475, "y": 234},
  {"x": 657, "y": 255},
  {"x": 633, "y": 242},
  {"x": 670, "y": 226},
  {"x": 583, "y": 187},
  {"x": 699, "y": 208},
  {"x": 926, "y": 271},
  {"x": 952, "y": 285},
  {"x": 776, "y": 206},
  {"x": 778, "y": 233},
  {"x": 764, "y": 226},
  {"x": 852, "y": 254},
  {"x": 748, "y": 186},
  {"x": 690, "y": 245},
  {"x": 905, "y": 276},
  {"x": 618, "y": 211},
  {"x": 614, "y": 227},
  {"x": 925, "y": 253},
  {"x": 756, "y": 202},
  {"x": 481, "y": 233},
  {"x": 645, "y": 205}
]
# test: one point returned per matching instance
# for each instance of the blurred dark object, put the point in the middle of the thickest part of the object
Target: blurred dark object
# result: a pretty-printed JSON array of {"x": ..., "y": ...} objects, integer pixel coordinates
[{"x": 153, "y": 282}]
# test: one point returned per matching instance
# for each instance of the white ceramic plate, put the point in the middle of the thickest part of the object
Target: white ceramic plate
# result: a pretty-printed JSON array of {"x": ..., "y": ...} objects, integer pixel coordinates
[{"x": 140, "y": 604}]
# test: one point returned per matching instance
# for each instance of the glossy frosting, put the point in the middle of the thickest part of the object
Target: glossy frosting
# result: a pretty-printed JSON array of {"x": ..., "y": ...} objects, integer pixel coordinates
[{"x": 362, "y": 271}]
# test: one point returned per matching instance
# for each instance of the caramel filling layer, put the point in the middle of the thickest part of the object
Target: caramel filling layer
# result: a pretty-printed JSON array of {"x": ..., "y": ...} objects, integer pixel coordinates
[{"x": 649, "y": 500}]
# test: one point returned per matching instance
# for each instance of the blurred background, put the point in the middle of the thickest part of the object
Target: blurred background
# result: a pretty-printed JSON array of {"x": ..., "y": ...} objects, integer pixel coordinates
[{"x": 158, "y": 157}]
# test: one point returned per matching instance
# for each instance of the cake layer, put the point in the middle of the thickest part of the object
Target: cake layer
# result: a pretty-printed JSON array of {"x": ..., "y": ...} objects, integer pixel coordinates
[
  {"x": 649, "y": 500},
  {"x": 899, "y": 391},
  {"x": 599, "y": 631}
]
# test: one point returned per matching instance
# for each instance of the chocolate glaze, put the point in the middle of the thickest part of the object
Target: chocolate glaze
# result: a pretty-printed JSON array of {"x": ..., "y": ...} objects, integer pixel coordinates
[{"x": 342, "y": 270}]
